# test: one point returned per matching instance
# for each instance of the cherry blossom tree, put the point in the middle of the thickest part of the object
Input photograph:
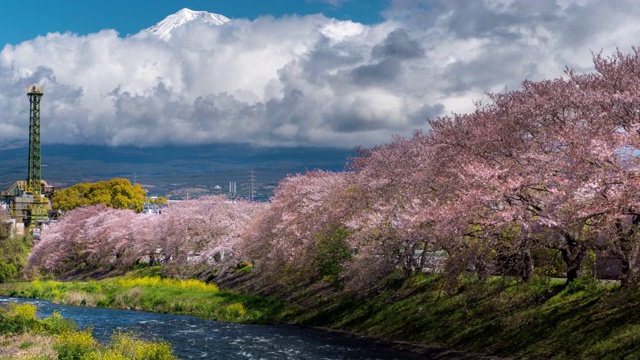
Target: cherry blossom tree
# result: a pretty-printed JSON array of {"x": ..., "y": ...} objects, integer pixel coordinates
[
  {"x": 522, "y": 158},
  {"x": 300, "y": 232},
  {"x": 617, "y": 88},
  {"x": 556, "y": 158},
  {"x": 61, "y": 247},
  {"x": 553, "y": 165},
  {"x": 391, "y": 209},
  {"x": 204, "y": 231},
  {"x": 187, "y": 233}
]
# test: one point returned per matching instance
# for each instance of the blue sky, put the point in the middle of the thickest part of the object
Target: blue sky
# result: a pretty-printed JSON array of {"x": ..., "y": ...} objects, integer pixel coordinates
[
  {"x": 356, "y": 74},
  {"x": 24, "y": 20}
]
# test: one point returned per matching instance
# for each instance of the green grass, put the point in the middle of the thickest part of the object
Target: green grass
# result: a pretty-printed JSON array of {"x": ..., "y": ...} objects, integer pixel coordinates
[
  {"x": 155, "y": 294},
  {"x": 501, "y": 316},
  {"x": 540, "y": 320}
]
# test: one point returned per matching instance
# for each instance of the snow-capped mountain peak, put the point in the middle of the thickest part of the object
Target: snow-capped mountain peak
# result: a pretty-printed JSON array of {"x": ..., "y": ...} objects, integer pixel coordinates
[{"x": 164, "y": 28}]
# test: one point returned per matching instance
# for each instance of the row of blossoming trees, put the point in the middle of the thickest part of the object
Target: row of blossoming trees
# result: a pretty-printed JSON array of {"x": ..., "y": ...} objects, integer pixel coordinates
[
  {"x": 187, "y": 234},
  {"x": 550, "y": 168}
]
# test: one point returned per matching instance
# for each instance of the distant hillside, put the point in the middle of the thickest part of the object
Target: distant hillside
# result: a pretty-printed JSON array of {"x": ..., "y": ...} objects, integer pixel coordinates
[{"x": 174, "y": 171}]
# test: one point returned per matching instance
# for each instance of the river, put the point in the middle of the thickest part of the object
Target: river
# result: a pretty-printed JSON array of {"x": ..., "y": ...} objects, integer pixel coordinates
[{"x": 194, "y": 338}]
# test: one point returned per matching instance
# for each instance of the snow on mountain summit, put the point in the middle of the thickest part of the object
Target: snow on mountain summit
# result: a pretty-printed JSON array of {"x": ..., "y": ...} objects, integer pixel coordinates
[{"x": 164, "y": 28}]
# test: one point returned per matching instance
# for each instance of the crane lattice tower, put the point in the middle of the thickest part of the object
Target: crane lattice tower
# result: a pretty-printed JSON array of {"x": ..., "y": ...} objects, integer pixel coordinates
[{"x": 34, "y": 176}]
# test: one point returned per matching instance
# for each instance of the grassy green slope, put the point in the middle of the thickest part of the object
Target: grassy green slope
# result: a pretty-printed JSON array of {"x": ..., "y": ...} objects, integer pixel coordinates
[
  {"x": 155, "y": 294},
  {"x": 540, "y": 320}
]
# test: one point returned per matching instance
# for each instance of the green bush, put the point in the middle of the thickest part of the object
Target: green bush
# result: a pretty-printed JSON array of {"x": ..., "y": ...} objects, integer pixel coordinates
[
  {"x": 232, "y": 313},
  {"x": 548, "y": 262},
  {"x": 331, "y": 251},
  {"x": 56, "y": 324},
  {"x": 131, "y": 347},
  {"x": 106, "y": 355},
  {"x": 23, "y": 312},
  {"x": 235, "y": 311},
  {"x": 75, "y": 345},
  {"x": 117, "y": 193},
  {"x": 122, "y": 346},
  {"x": 19, "y": 318},
  {"x": 13, "y": 255}
]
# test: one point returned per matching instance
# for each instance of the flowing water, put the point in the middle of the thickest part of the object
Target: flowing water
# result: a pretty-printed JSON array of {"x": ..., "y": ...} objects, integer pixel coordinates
[{"x": 193, "y": 338}]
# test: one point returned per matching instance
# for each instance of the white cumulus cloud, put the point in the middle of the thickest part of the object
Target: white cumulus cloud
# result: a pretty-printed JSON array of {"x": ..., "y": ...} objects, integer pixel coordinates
[{"x": 300, "y": 80}]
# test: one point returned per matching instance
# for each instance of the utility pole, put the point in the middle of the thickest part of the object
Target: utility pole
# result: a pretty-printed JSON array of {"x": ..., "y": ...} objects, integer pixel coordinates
[
  {"x": 251, "y": 181},
  {"x": 232, "y": 189}
]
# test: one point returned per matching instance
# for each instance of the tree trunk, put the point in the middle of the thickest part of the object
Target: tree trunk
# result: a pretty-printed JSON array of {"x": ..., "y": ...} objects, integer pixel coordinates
[
  {"x": 628, "y": 269},
  {"x": 572, "y": 254},
  {"x": 526, "y": 271},
  {"x": 625, "y": 272},
  {"x": 482, "y": 269},
  {"x": 423, "y": 258},
  {"x": 408, "y": 271},
  {"x": 628, "y": 251}
]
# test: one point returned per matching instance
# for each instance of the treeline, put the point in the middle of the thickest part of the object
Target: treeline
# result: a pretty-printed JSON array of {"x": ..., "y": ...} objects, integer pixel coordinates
[
  {"x": 186, "y": 236},
  {"x": 116, "y": 193},
  {"x": 542, "y": 174}
]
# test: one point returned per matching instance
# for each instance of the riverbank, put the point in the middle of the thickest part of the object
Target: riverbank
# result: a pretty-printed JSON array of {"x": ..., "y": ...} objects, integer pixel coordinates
[
  {"x": 501, "y": 317},
  {"x": 25, "y": 336},
  {"x": 153, "y": 293}
]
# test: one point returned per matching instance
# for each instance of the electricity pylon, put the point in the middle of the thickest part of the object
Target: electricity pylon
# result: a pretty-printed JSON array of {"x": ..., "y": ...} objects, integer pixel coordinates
[{"x": 34, "y": 175}]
